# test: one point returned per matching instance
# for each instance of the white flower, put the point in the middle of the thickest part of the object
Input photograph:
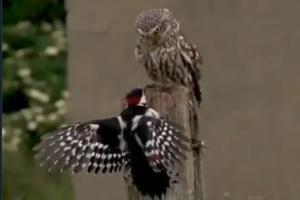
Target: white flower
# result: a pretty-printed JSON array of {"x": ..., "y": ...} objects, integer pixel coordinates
[
  {"x": 37, "y": 109},
  {"x": 24, "y": 72},
  {"x": 59, "y": 39},
  {"x": 23, "y": 25},
  {"x": 40, "y": 118},
  {"x": 32, "y": 126},
  {"x": 51, "y": 51},
  {"x": 58, "y": 34},
  {"x": 5, "y": 46},
  {"x": 27, "y": 114},
  {"x": 3, "y": 132},
  {"x": 20, "y": 53},
  {"x": 38, "y": 95},
  {"x": 66, "y": 94},
  {"x": 52, "y": 116},
  {"x": 62, "y": 111},
  {"x": 60, "y": 104},
  {"x": 46, "y": 27}
]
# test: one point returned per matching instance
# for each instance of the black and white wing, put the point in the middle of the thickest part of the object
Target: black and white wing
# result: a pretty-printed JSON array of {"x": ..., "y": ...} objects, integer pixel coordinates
[
  {"x": 94, "y": 145},
  {"x": 162, "y": 141}
]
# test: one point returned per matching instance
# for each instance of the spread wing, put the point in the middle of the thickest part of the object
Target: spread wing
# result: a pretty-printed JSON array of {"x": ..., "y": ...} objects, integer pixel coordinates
[
  {"x": 162, "y": 141},
  {"x": 94, "y": 145}
]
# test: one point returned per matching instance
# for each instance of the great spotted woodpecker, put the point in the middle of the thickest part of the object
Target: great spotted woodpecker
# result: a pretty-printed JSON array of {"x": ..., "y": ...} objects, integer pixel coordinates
[{"x": 138, "y": 141}]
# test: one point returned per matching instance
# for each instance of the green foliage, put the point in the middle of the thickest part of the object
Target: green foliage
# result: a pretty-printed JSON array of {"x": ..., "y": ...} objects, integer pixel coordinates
[
  {"x": 34, "y": 103},
  {"x": 33, "y": 10}
]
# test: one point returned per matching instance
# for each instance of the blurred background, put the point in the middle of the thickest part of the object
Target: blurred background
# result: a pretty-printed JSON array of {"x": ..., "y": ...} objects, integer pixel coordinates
[
  {"x": 250, "y": 115},
  {"x": 34, "y": 95}
]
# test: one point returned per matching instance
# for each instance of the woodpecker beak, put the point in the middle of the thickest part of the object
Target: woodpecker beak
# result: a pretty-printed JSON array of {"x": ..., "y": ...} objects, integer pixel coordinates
[{"x": 124, "y": 103}]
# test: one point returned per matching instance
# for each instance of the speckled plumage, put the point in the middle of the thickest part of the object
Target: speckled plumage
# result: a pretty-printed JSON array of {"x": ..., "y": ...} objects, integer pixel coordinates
[{"x": 168, "y": 58}]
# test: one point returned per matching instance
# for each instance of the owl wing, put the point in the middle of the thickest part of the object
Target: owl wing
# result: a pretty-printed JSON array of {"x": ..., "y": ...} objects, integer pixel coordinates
[
  {"x": 192, "y": 59},
  {"x": 162, "y": 142},
  {"x": 94, "y": 145},
  {"x": 191, "y": 56}
]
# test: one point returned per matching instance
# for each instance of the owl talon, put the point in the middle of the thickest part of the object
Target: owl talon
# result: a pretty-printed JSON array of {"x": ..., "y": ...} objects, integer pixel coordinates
[{"x": 198, "y": 145}]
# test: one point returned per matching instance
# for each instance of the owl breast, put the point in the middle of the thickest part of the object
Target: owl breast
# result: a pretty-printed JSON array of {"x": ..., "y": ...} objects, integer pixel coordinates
[{"x": 164, "y": 64}]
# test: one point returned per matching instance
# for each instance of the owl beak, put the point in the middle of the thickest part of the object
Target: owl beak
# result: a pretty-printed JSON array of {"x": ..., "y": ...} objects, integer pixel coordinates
[{"x": 149, "y": 40}]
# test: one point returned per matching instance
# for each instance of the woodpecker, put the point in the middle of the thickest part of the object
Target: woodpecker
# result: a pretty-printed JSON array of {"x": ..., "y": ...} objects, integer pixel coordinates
[{"x": 138, "y": 140}]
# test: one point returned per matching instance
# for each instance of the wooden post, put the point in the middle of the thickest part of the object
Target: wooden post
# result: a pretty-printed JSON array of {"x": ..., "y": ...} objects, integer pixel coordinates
[{"x": 173, "y": 104}]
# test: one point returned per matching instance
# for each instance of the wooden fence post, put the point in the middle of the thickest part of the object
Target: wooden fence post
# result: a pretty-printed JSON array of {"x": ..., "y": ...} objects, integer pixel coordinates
[{"x": 173, "y": 104}]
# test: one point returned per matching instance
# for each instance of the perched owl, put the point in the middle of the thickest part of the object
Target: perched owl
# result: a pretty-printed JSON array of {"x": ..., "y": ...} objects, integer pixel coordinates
[{"x": 168, "y": 58}]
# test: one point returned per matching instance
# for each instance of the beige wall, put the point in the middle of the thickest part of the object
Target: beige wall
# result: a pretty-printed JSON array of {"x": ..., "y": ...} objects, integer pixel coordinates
[{"x": 250, "y": 113}]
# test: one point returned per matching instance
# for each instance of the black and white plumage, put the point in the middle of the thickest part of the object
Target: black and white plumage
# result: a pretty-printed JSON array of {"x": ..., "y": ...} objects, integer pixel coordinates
[
  {"x": 168, "y": 57},
  {"x": 94, "y": 145},
  {"x": 137, "y": 140}
]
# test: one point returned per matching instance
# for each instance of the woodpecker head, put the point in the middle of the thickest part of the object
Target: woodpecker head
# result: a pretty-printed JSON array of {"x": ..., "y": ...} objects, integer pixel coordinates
[{"x": 135, "y": 97}]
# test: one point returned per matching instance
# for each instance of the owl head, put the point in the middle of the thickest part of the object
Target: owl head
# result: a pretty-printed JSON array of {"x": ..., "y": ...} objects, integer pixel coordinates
[{"x": 156, "y": 25}]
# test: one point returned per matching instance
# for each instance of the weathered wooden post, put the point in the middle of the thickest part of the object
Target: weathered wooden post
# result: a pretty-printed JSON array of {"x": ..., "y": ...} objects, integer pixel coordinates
[{"x": 173, "y": 104}]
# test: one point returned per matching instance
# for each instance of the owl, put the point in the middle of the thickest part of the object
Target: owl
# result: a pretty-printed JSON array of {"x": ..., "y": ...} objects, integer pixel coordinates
[{"x": 167, "y": 56}]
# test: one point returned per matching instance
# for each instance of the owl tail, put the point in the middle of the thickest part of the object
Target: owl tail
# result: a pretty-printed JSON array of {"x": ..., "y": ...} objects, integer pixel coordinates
[{"x": 195, "y": 101}]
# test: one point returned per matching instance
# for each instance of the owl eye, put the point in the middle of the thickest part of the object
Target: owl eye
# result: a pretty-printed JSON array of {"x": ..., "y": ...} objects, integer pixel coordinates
[{"x": 157, "y": 30}]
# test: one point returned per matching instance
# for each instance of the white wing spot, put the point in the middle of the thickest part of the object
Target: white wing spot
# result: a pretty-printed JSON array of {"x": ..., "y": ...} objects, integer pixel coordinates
[
  {"x": 94, "y": 126},
  {"x": 97, "y": 155},
  {"x": 103, "y": 156},
  {"x": 67, "y": 148},
  {"x": 56, "y": 150},
  {"x": 73, "y": 152}
]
